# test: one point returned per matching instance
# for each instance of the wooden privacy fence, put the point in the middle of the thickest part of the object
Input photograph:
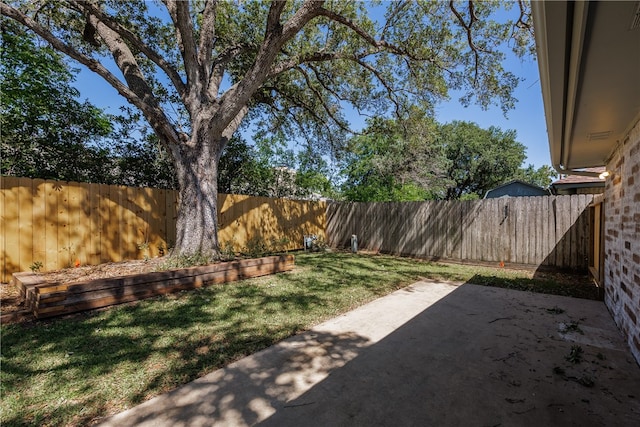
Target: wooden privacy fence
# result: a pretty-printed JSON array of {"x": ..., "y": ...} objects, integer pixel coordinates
[
  {"x": 549, "y": 230},
  {"x": 56, "y": 223}
]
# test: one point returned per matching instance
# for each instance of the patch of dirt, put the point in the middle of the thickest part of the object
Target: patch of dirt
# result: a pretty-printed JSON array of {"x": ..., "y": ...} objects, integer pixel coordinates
[
  {"x": 574, "y": 279},
  {"x": 111, "y": 269},
  {"x": 10, "y": 301}
]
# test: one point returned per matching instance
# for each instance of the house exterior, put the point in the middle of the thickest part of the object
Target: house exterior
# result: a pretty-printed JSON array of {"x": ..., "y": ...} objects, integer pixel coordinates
[
  {"x": 580, "y": 184},
  {"x": 589, "y": 61},
  {"x": 516, "y": 188}
]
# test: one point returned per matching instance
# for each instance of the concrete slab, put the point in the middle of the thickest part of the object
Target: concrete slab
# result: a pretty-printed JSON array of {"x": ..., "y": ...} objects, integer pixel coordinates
[{"x": 431, "y": 354}]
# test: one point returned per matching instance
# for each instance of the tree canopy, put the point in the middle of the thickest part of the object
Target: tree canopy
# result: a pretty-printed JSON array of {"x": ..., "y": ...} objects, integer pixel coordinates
[
  {"x": 197, "y": 69},
  {"x": 395, "y": 161},
  {"x": 46, "y": 131},
  {"x": 479, "y": 159},
  {"x": 542, "y": 177},
  {"x": 419, "y": 159}
]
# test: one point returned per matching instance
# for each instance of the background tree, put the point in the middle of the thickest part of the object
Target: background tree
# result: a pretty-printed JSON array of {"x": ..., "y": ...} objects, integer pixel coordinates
[
  {"x": 272, "y": 170},
  {"x": 395, "y": 160},
  {"x": 313, "y": 175},
  {"x": 291, "y": 66},
  {"x": 269, "y": 168},
  {"x": 542, "y": 177},
  {"x": 46, "y": 132},
  {"x": 242, "y": 171},
  {"x": 479, "y": 159},
  {"x": 136, "y": 156},
  {"x": 418, "y": 159}
]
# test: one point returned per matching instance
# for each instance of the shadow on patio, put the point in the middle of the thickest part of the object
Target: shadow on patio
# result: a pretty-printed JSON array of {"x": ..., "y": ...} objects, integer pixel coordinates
[{"x": 430, "y": 354}]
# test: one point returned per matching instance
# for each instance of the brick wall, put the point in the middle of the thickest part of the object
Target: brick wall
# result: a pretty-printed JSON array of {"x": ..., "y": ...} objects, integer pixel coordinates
[{"x": 622, "y": 239}]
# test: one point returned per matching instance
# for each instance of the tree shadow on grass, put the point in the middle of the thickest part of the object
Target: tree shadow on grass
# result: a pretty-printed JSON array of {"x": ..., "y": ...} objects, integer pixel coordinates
[
  {"x": 124, "y": 355},
  {"x": 88, "y": 365}
]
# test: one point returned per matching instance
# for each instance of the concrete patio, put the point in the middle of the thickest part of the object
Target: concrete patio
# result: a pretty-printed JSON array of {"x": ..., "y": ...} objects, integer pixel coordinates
[{"x": 433, "y": 353}]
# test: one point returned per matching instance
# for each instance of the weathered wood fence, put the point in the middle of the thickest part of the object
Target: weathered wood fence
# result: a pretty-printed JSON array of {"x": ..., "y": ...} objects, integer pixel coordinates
[
  {"x": 56, "y": 223},
  {"x": 549, "y": 230}
]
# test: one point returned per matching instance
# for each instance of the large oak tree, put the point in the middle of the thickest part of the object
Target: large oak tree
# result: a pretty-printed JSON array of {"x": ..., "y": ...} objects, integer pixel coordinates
[{"x": 198, "y": 69}]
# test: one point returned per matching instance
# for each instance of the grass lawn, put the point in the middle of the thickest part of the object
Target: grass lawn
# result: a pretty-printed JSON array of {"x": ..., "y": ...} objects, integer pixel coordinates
[{"x": 74, "y": 370}]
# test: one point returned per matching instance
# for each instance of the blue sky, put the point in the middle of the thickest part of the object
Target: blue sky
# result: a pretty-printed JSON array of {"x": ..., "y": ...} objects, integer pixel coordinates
[{"x": 527, "y": 118}]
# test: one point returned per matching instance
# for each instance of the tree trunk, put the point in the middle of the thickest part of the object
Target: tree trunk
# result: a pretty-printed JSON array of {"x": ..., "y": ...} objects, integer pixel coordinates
[{"x": 197, "y": 224}]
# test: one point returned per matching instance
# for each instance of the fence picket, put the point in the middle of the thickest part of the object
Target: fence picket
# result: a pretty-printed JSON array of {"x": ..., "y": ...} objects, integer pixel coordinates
[{"x": 548, "y": 230}]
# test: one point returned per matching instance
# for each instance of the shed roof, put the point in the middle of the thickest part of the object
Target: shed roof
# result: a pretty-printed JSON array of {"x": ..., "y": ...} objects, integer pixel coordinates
[{"x": 516, "y": 182}]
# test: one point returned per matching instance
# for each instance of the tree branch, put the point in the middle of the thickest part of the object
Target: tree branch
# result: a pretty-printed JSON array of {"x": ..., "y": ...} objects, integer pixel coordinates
[
  {"x": 318, "y": 96},
  {"x": 126, "y": 61},
  {"x": 468, "y": 29},
  {"x": 170, "y": 71},
  {"x": 207, "y": 37},
  {"x": 234, "y": 124},
  {"x": 275, "y": 37},
  {"x": 297, "y": 102},
  {"x": 217, "y": 68},
  {"x": 524, "y": 20},
  {"x": 353, "y": 26},
  {"x": 309, "y": 10},
  {"x": 390, "y": 90},
  {"x": 152, "y": 112},
  {"x": 379, "y": 45},
  {"x": 399, "y": 6},
  {"x": 299, "y": 60},
  {"x": 181, "y": 17},
  {"x": 324, "y": 85},
  {"x": 273, "y": 18}
]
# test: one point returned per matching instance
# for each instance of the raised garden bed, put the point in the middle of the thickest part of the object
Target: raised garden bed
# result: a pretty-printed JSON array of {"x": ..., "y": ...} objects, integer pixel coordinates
[{"x": 46, "y": 299}]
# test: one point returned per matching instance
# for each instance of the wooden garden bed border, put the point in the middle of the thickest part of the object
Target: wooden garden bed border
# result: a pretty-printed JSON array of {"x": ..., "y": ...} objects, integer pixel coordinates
[{"x": 45, "y": 299}]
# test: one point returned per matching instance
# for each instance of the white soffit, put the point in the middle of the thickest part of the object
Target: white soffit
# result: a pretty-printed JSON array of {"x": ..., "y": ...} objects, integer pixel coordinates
[{"x": 589, "y": 60}]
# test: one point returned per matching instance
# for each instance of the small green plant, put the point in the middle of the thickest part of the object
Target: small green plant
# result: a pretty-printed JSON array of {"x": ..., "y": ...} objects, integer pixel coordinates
[
  {"x": 185, "y": 261},
  {"x": 227, "y": 250},
  {"x": 575, "y": 355},
  {"x": 144, "y": 248},
  {"x": 278, "y": 245},
  {"x": 256, "y": 247},
  {"x": 571, "y": 327},
  {"x": 36, "y": 266}
]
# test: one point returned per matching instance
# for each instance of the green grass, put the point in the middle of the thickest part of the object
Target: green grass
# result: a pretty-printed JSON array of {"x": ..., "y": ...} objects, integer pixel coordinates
[{"x": 71, "y": 371}]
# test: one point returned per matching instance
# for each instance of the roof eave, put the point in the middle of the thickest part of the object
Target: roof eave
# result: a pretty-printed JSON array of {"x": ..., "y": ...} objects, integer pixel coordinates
[{"x": 559, "y": 92}]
